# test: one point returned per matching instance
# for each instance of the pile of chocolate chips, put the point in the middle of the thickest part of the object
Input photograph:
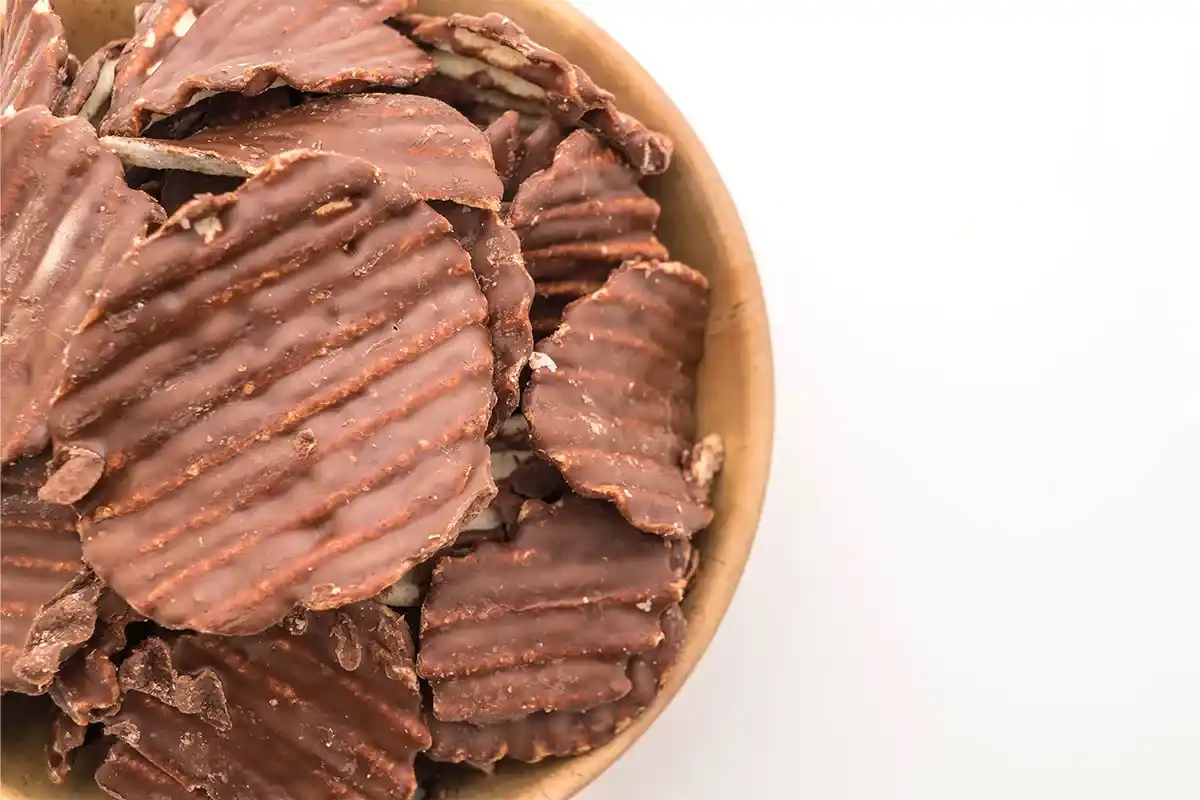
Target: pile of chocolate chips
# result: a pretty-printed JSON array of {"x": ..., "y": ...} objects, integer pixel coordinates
[{"x": 293, "y": 505}]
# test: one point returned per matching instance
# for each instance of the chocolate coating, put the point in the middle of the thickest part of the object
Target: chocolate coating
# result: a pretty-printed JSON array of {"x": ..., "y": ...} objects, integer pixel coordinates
[
  {"x": 86, "y": 688},
  {"x": 564, "y": 733},
  {"x": 290, "y": 387},
  {"x": 493, "y": 52},
  {"x": 586, "y": 209},
  {"x": 328, "y": 708},
  {"x": 504, "y": 137},
  {"x": 127, "y": 775},
  {"x": 66, "y": 218},
  {"x": 496, "y": 259},
  {"x": 91, "y": 90},
  {"x": 549, "y": 620},
  {"x": 491, "y": 61},
  {"x": 322, "y": 46},
  {"x": 612, "y": 397},
  {"x": 40, "y": 559},
  {"x": 34, "y": 58},
  {"x": 424, "y": 142}
]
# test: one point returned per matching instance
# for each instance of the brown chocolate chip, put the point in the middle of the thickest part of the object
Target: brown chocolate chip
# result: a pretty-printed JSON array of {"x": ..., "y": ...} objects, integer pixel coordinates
[
  {"x": 612, "y": 398},
  {"x": 364, "y": 327},
  {"x": 549, "y": 621},
  {"x": 586, "y": 209}
]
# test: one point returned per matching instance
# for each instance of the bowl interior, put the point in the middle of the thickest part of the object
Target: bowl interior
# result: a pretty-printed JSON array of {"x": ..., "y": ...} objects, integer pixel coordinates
[{"x": 701, "y": 227}]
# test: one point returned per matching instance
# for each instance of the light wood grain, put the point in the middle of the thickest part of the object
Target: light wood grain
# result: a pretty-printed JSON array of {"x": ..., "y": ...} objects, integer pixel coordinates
[{"x": 701, "y": 227}]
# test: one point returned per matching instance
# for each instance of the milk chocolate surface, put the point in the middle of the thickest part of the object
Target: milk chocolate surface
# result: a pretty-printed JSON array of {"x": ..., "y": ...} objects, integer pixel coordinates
[
  {"x": 128, "y": 775},
  {"x": 40, "y": 567},
  {"x": 66, "y": 219},
  {"x": 33, "y": 64},
  {"x": 326, "y": 46},
  {"x": 545, "y": 734},
  {"x": 326, "y": 706},
  {"x": 612, "y": 397},
  {"x": 496, "y": 259},
  {"x": 289, "y": 387},
  {"x": 586, "y": 209},
  {"x": 418, "y": 140},
  {"x": 547, "y": 621}
]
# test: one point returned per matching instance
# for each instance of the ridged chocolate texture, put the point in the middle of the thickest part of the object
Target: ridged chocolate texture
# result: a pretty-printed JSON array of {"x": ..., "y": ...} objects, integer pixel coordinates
[
  {"x": 586, "y": 209},
  {"x": 496, "y": 259},
  {"x": 288, "y": 387},
  {"x": 91, "y": 90},
  {"x": 326, "y": 706},
  {"x": 419, "y": 140},
  {"x": 611, "y": 401},
  {"x": 34, "y": 56},
  {"x": 127, "y": 775},
  {"x": 245, "y": 46},
  {"x": 65, "y": 738},
  {"x": 39, "y": 559},
  {"x": 549, "y": 620},
  {"x": 496, "y": 64},
  {"x": 565, "y": 733},
  {"x": 67, "y": 218}
]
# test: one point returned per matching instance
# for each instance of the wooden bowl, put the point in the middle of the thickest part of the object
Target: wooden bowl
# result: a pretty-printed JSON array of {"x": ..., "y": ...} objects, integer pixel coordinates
[{"x": 701, "y": 227}]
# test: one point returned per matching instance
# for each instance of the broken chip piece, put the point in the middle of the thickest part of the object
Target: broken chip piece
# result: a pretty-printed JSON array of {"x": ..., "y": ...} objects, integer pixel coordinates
[
  {"x": 419, "y": 140},
  {"x": 496, "y": 259},
  {"x": 494, "y": 62},
  {"x": 66, "y": 737},
  {"x": 34, "y": 58},
  {"x": 586, "y": 209},
  {"x": 41, "y": 569},
  {"x": 549, "y": 620},
  {"x": 306, "y": 422},
  {"x": 545, "y": 734},
  {"x": 128, "y": 775},
  {"x": 90, "y": 92},
  {"x": 327, "y": 706},
  {"x": 611, "y": 401},
  {"x": 66, "y": 219},
  {"x": 86, "y": 687},
  {"x": 183, "y": 51}
]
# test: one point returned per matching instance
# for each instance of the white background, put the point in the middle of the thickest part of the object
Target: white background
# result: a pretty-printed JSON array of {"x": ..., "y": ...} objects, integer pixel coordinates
[{"x": 978, "y": 226}]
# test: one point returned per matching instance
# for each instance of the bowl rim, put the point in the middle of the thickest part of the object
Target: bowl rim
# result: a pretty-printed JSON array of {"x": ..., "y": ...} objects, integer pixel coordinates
[{"x": 564, "y": 778}]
